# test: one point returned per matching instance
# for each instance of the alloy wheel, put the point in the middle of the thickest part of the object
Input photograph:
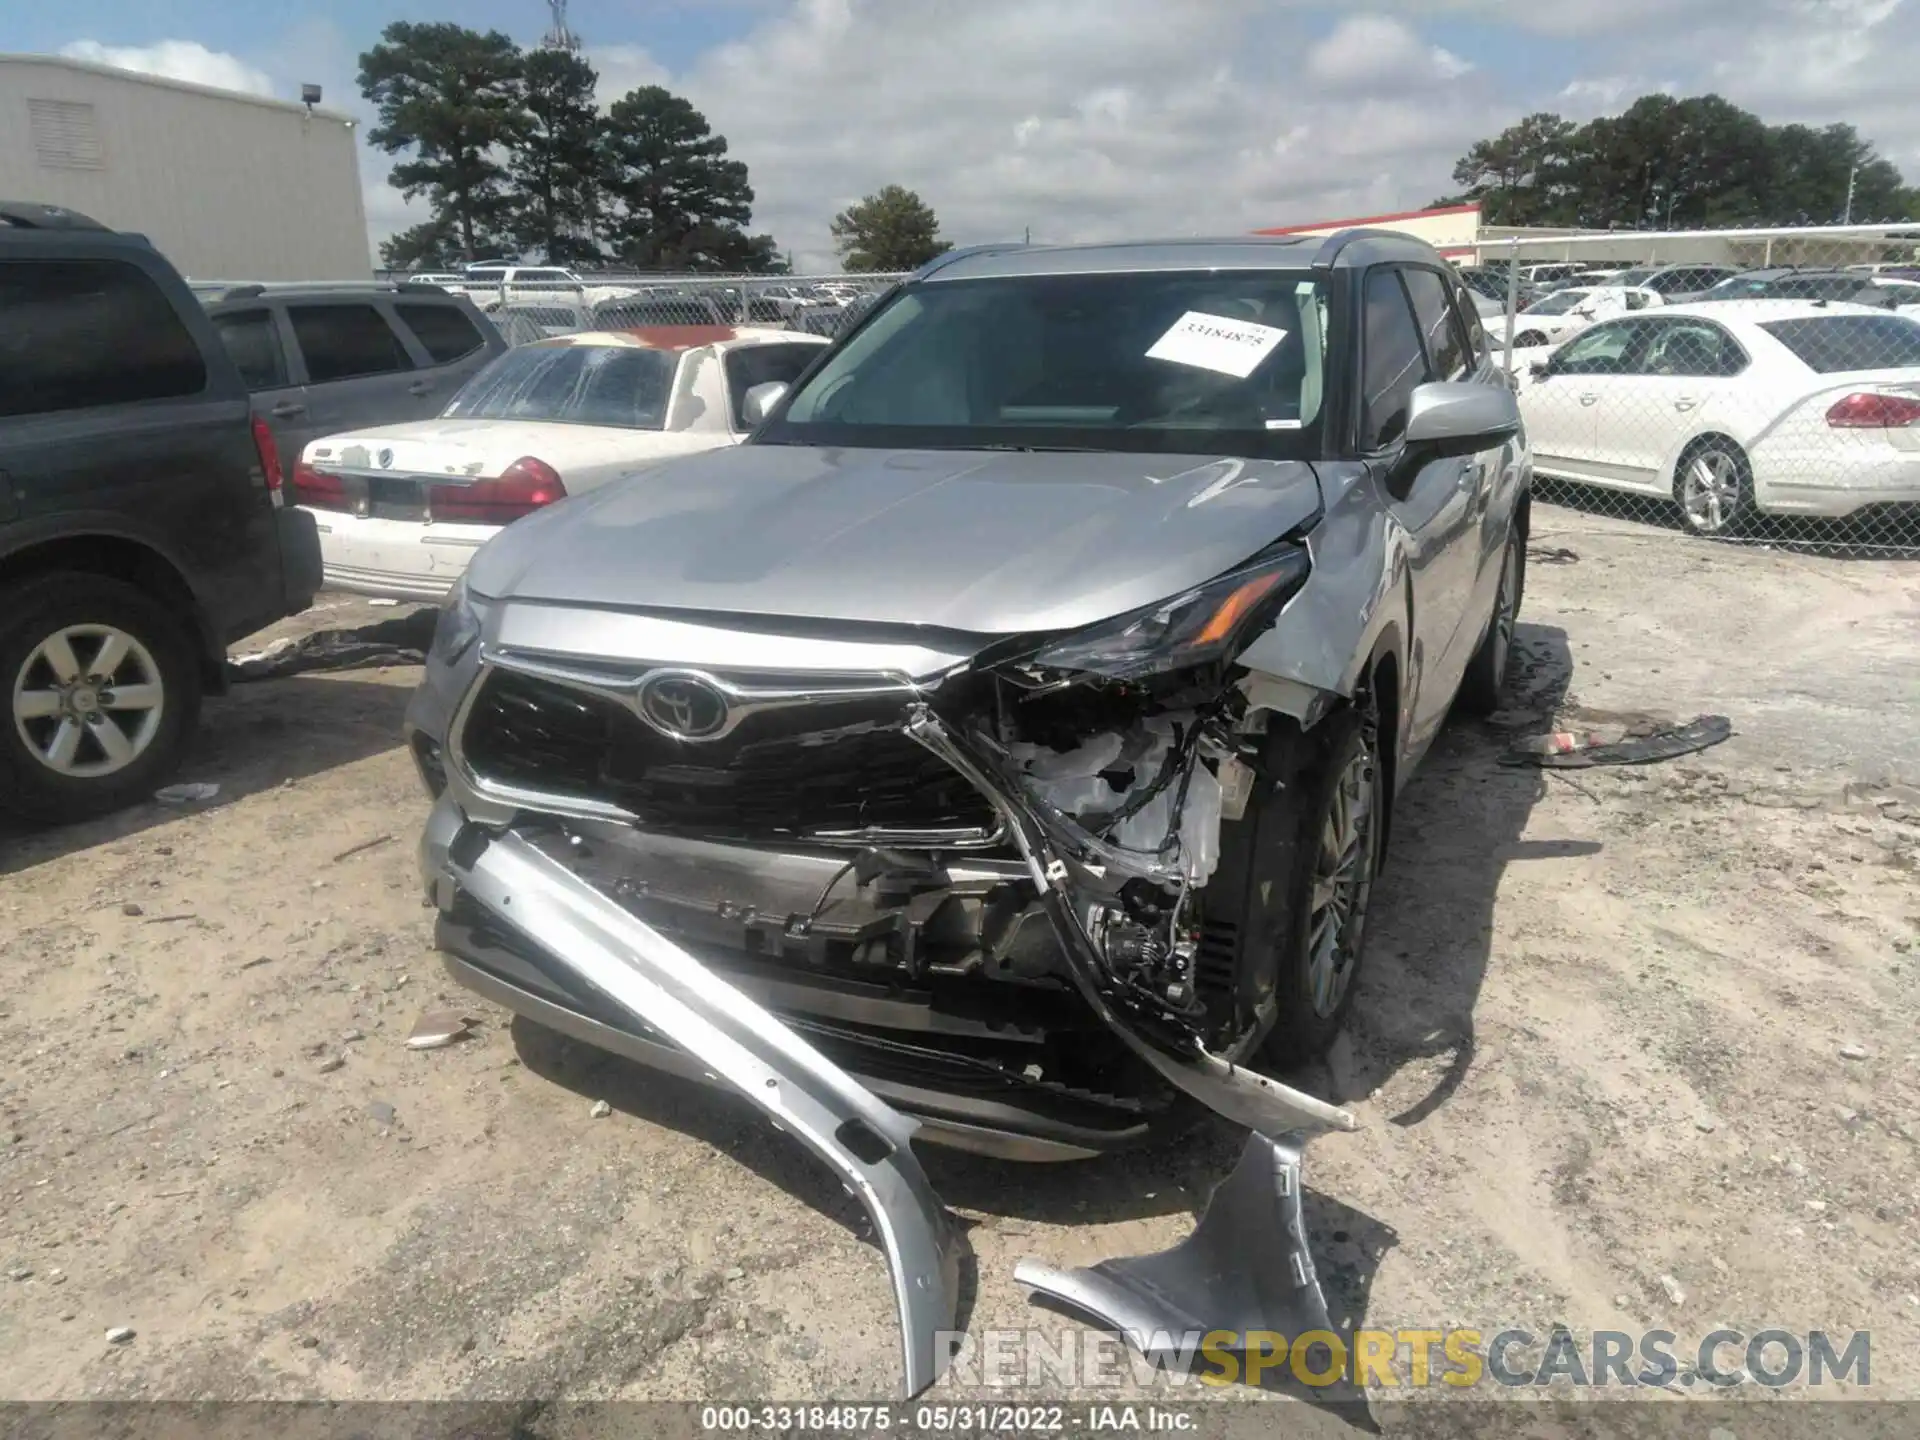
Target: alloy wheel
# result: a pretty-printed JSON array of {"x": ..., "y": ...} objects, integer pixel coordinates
[
  {"x": 1342, "y": 880},
  {"x": 88, "y": 701},
  {"x": 1710, "y": 491}
]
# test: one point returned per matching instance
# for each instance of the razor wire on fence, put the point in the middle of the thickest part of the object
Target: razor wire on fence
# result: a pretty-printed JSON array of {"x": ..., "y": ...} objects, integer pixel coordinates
[
  {"x": 1751, "y": 385},
  {"x": 526, "y": 310}
]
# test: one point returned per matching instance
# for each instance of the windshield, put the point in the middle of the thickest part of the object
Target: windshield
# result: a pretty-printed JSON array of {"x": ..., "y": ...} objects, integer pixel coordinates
[
  {"x": 1194, "y": 362},
  {"x": 1558, "y": 303},
  {"x": 572, "y": 385},
  {"x": 1834, "y": 344},
  {"x": 1634, "y": 277}
]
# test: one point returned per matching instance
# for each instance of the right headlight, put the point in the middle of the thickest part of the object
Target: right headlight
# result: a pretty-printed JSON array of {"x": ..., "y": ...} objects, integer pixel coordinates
[
  {"x": 1192, "y": 628},
  {"x": 458, "y": 627}
]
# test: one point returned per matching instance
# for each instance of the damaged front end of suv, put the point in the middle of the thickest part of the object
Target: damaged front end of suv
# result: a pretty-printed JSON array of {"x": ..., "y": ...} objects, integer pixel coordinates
[
  {"x": 1013, "y": 783},
  {"x": 967, "y": 897}
]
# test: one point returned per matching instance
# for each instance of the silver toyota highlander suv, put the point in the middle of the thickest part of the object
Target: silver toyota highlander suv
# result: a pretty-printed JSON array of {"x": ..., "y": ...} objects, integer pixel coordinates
[
  {"x": 1019, "y": 713},
  {"x": 1000, "y": 746}
]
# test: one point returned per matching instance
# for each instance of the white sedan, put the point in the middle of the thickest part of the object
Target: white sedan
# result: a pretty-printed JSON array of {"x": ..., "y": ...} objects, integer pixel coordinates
[
  {"x": 402, "y": 508},
  {"x": 1781, "y": 406},
  {"x": 1565, "y": 313}
]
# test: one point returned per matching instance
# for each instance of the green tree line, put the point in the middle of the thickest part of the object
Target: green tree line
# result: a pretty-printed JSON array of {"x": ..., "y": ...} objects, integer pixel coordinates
[
  {"x": 514, "y": 156},
  {"x": 1680, "y": 163}
]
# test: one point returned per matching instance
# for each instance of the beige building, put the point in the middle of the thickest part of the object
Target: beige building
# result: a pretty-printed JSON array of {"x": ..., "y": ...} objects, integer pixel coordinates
[
  {"x": 1453, "y": 230},
  {"x": 227, "y": 186}
]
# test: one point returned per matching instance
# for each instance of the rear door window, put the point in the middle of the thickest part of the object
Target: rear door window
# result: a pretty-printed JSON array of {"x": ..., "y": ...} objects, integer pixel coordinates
[
  {"x": 343, "y": 342},
  {"x": 444, "y": 331},
  {"x": 253, "y": 341},
  {"x": 1692, "y": 348},
  {"x": 79, "y": 333},
  {"x": 1393, "y": 360}
]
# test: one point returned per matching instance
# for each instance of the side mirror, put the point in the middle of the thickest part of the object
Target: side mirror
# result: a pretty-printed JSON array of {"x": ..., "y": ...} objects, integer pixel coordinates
[
  {"x": 1450, "y": 418},
  {"x": 759, "y": 401},
  {"x": 1541, "y": 369}
]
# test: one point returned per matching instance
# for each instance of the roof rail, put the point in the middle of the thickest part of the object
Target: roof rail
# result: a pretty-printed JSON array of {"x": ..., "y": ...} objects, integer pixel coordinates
[
  {"x": 26, "y": 215},
  {"x": 252, "y": 289},
  {"x": 966, "y": 252},
  {"x": 1330, "y": 248}
]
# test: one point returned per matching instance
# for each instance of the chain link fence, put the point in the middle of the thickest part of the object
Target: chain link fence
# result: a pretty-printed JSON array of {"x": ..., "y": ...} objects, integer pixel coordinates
[
  {"x": 1750, "y": 385},
  {"x": 527, "y": 309}
]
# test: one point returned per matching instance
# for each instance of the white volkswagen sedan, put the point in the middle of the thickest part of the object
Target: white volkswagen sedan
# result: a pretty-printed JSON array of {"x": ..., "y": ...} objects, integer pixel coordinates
[
  {"x": 1778, "y": 406},
  {"x": 401, "y": 508}
]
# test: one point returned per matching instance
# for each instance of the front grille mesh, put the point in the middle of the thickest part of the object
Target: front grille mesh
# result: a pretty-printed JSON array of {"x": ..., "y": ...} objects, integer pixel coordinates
[{"x": 825, "y": 766}]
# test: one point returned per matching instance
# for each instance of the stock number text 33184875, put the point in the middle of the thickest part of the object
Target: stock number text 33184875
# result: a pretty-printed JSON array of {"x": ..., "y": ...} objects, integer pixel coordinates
[{"x": 874, "y": 1419}]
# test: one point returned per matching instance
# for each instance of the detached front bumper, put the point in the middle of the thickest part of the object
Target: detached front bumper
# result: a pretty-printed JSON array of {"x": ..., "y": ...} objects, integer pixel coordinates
[{"x": 866, "y": 1143}]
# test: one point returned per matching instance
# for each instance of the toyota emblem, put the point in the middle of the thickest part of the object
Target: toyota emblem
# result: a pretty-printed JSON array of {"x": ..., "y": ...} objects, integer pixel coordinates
[{"x": 683, "y": 706}]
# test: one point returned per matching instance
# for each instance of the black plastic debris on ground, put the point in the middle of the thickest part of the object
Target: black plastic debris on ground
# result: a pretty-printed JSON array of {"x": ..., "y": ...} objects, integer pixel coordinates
[
  {"x": 1552, "y": 555},
  {"x": 1669, "y": 744},
  {"x": 402, "y": 640}
]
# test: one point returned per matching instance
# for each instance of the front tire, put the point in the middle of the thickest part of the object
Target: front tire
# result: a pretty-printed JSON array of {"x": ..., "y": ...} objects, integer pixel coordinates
[
  {"x": 1486, "y": 675},
  {"x": 1713, "y": 486},
  {"x": 1295, "y": 879},
  {"x": 101, "y": 693},
  {"x": 1527, "y": 339}
]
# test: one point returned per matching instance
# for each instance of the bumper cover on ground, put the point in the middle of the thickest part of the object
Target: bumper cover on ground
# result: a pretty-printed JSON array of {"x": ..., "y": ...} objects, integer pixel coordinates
[
  {"x": 866, "y": 1143},
  {"x": 1246, "y": 1268}
]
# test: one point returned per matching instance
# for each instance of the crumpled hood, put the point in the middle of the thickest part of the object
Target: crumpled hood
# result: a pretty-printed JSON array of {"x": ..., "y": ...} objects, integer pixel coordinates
[{"x": 983, "y": 542}]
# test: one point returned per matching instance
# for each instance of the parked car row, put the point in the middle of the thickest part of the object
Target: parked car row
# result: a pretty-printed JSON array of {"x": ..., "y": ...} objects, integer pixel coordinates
[{"x": 1735, "y": 408}]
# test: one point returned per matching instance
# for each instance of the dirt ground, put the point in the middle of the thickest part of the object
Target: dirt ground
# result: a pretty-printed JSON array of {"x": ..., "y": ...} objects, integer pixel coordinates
[{"x": 1635, "y": 1047}]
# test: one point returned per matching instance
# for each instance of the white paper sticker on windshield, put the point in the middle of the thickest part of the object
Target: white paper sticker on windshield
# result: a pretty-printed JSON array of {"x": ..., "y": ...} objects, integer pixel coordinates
[{"x": 1213, "y": 342}]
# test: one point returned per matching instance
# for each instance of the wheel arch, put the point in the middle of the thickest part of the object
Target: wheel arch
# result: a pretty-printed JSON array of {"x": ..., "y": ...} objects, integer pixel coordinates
[
  {"x": 1670, "y": 477},
  {"x": 1383, "y": 687},
  {"x": 134, "y": 562}
]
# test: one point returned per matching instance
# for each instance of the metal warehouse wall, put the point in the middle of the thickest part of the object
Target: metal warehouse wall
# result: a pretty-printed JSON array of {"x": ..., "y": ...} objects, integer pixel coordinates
[{"x": 227, "y": 186}]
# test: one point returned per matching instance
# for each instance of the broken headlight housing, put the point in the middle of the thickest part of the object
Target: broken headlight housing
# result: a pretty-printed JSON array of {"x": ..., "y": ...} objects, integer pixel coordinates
[{"x": 1207, "y": 623}]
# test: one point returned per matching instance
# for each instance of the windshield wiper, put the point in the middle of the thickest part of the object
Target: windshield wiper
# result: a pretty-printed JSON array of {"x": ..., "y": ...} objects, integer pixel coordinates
[{"x": 1038, "y": 449}]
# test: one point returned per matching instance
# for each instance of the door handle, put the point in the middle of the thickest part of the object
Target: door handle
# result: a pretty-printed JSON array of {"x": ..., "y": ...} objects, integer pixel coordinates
[
  {"x": 420, "y": 387},
  {"x": 1685, "y": 402},
  {"x": 287, "y": 409},
  {"x": 1589, "y": 399}
]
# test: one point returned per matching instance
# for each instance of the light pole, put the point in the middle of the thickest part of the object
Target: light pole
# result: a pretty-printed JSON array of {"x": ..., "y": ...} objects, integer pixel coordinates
[{"x": 1852, "y": 174}]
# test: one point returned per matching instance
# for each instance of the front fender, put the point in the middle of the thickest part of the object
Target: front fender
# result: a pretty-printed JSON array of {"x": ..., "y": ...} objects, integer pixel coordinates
[{"x": 1356, "y": 595}]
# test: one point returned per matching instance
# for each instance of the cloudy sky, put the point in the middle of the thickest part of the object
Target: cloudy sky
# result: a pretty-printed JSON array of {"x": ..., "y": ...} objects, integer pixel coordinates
[{"x": 1085, "y": 118}]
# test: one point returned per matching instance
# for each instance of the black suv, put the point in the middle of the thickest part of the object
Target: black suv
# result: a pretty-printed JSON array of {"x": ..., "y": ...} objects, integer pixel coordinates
[{"x": 141, "y": 521}]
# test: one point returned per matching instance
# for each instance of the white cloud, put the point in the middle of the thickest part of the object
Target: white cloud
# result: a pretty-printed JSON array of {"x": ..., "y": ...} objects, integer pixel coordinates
[
  {"x": 1096, "y": 118},
  {"x": 1084, "y": 118},
  {"x": 177, "y": 60},
  {"x": 1368, "y": 52},
  {"x": 623, "y": 68}
]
